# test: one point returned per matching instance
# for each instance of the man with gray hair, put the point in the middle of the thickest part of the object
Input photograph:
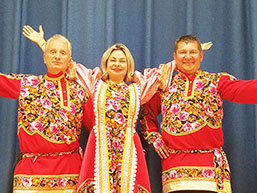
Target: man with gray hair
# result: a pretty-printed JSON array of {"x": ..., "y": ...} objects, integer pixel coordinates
[{"x": 50, "y": 115}]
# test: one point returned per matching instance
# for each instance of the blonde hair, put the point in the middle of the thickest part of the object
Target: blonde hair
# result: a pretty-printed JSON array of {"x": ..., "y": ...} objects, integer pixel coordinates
[
  {"x": 61, "y": 38},
  {"x": 130, "y": 61}
]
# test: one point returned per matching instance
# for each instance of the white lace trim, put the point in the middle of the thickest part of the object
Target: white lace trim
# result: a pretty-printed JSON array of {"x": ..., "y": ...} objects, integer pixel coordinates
[
  {"x": 129, "y": 165},
  {"x": 101, "y": 167},
  {"x": 129, "y": 168}
]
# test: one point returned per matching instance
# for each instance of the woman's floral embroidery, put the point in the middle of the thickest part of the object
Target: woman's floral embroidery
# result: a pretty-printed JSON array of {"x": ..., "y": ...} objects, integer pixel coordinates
[
  {"x": 116, "y": 116},
  {"x": 87, "y": 187}
]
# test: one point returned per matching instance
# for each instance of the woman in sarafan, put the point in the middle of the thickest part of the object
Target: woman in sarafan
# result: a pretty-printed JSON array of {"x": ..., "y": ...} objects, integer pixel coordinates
[{"x": 113, "y": 146}]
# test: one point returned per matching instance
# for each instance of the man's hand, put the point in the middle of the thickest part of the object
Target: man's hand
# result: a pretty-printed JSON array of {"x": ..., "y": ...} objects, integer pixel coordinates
[
  {"x": 37, "y": 37},
  {"x": 206, "y": 46},
  {"x": 163, "y": 151}
]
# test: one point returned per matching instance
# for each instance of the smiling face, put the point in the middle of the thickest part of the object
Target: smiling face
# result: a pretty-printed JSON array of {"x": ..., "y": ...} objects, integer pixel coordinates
[
  {"x": 57, "y": 56},
  {"x": 119, "y": 54},
  {"x": 117, "y": 66},
  {"x": 188, "y": 57}
]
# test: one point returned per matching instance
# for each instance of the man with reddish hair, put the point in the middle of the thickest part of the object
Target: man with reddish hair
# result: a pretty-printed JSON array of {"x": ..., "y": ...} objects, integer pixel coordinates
[{"x": 190, "y": 145}]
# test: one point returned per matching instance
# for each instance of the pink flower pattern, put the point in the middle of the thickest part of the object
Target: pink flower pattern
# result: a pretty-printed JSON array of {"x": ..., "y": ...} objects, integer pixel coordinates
[
  {"x": 158, "y": 143},
  {"x": 220, "y": 171},
  {"x": 119, "y": 118},
  {"x": 37, "y": 125},
  {"x": 183, "y": 116},
  {"x": 116, "y": 107},
  {"x": 208, "y": 173},
  {"x": 199, "y": 85},
  {"x": 49, "y": 85},
  {"x": 40, "y": 108},
  {"x": 54, "y": 128},
  {"x": 39, "y": 181},
  {"x": 175, "y": 108},
  {"x": 187, "y": 114},
  {"x": 62, "y": 182},
  {"x": 204, "y": 106},
  {"x": 33, "y": 81},
  {"x": 47, "y": 104},
  {"x": 24, "y": 92},
  {"x": 27, "y": 182}
]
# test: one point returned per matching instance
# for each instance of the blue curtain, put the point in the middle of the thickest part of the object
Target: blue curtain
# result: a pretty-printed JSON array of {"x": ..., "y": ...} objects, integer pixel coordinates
[{"x": 149, "y": 28}]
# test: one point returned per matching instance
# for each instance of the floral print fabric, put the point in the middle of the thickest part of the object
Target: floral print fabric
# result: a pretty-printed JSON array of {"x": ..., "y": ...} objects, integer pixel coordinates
[
  {"x": 42, "y": 109},
  {"x": 50, "y": 113},
  {"x": 117, "y": 104},
  {"x": 218, "y": 173},
  {"x": 116, "y": 108},
  {"x": 45, "y": 183},
  {"x": 185, "y": 114},
  {"x": 192, "y": 120}
]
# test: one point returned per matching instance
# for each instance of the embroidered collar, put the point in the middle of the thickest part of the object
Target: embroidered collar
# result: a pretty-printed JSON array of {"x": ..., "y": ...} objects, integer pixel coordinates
[
  {"x": 54, "y": 76},
  {"x": 184, "y": 75},
  {"x": 114, "y": 84}
]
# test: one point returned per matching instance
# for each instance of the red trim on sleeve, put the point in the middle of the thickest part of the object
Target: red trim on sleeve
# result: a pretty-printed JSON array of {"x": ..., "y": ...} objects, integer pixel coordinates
[
  {"x": 150, "y": 111},
  {"x": 240, "y": 91},
  {"x": 9, "y": 86},
  {"x": 88, "y": 115}
]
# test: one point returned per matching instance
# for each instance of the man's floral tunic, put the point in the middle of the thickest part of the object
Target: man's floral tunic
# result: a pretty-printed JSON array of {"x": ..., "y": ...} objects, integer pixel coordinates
[
  {"x": 191, "y": 125},
  {"x": 50, "y": 116}
]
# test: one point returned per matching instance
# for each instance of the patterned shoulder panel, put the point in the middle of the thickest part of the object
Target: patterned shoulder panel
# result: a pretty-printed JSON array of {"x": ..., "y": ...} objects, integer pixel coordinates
[
  {"x": 80, "y": 90},
  {"x": 46, "y": 109},
  {"x": 229, "y": 75},
  {"x": 216, "y": 76},
  {"x": 16, "y": 76},
  {"x": 186, "y": 113}
]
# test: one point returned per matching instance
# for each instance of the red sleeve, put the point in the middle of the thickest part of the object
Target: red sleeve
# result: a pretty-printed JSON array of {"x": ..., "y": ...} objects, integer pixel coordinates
[
  {"x": 240, "y": 91},
  {"x": 9, "y": 86},
  {"x": 148, "y": 120},
  {"x": 88, "y": 115}
]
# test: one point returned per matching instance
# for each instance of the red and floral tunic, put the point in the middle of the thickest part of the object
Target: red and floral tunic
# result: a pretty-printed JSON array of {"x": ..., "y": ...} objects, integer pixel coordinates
[
  {"x": 191, "y": 125},
  {"x": 114, "y": 161},
  {"x": 50, "y": 116}
]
